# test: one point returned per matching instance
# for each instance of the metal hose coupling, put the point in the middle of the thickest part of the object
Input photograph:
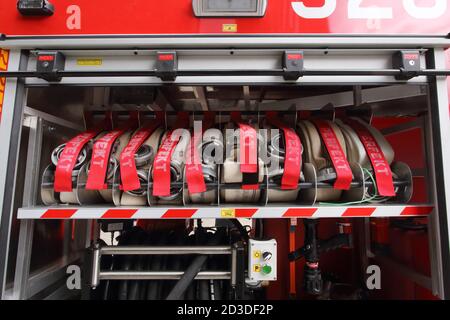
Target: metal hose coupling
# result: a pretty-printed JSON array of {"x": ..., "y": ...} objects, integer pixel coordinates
[
  {"x": 144, "y": 155},
  {"x": 81, "y": 160},
  {"x": 212, "y": 151},
  {"x": 326, "y": 174},
  {"x": 277, "y": 152},
  {"x": 175, "y": 177},
  {"x": 112, "y": 167},
  {"x": 276, "y": 147},
  {"x": 143, "y": 179}
]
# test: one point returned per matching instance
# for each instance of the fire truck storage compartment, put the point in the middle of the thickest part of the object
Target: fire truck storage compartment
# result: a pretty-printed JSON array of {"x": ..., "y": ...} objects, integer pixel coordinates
[
  {"x": 316, "y": 174},
  {"x": 401, "y": 117}
]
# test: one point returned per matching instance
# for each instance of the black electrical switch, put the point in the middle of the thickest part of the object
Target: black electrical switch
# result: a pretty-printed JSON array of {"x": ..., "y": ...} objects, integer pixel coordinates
[
  {"x": 408, "y": 62},
  {"x": 48, "y": 63},
  {"x": 293, "y": 62},
  {"x": 166, "y": 65},
  {"x": 35, "y": 7}
]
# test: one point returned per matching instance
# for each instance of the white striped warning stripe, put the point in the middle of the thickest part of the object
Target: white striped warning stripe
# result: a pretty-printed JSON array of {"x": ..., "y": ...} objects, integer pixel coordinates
[{"x": 222, "y": 212}]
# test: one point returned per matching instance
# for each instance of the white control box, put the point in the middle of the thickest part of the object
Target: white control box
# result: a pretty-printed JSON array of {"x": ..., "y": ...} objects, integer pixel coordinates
[{"x": 262, "y": 260}]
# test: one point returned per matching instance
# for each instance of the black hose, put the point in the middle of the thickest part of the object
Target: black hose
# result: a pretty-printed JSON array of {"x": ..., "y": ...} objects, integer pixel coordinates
[
  {"x": 150, "y": 240},
  {"x": 203, "y": 285},
  {"x": 156, "y": 265},
  {"x": 193, "y": 269},
  {"x": 409, "y": 225},
  {"x": 215, "y": 287},
  {"x": 241, "y": 229},
  {"x": 129, "y": 238},
  {"x": 170, "y": 264},
  {"x": 138, "y": 265},
  {"x": 190, "y": 293}
]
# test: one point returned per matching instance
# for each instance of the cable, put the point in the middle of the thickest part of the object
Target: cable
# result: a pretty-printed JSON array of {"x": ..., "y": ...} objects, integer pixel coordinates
[
  {"x": 241, "y": 229},
  {"x": 375, "y": 198}
]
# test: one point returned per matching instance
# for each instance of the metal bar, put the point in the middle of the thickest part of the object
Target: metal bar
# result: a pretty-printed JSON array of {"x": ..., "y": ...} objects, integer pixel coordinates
[
  {"x": 223, "y": 72},
  {"x": 49, "y": 275},
  {"x": 345, "y": 99},
  {"x": 95, "y": 276},
  {"x": 200, "y": 94},
  {"x": 24, "y": 249},
  {"x": 51, "y": 118},
  {"x": 403, "y": 270},
  {"x": 176, "y": 250},
  {"x": 433, "y": 220},
  {"x": 440, "y": 147},
  {"x": 357, "y": 95},
  {"x": 301, "y": 185},
  {"x": 161, "y": 275},
  {"x": 216, "y": 211},
  {"x": 62, "y": 293},
  {"x": 246, "y": 93},
  {"x": 414, "y": 124},
  {"x": 241, "y": 258},
  {"x": 10, "y": 133},
  {"x": 269, "y": 41},
  {"x": 233, "y": 267}
]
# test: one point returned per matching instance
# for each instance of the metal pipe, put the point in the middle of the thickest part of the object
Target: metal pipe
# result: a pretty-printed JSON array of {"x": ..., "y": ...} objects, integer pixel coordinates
[
  {"x": 301, "y": 185},
  {"x": 224, "y": 72},
  {"x": 95, "y": 277},
  {"x": 162, "y": 250},
  {"x": 161, "y": 275},
  {"x": 233, "y": 266}
]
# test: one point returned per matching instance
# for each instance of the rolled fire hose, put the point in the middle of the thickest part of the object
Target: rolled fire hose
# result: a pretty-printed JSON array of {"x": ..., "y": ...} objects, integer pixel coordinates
[
  {"x": 355, "y": 149},
  {"x": 358, "y": 153},
  {"x": 316, "y": 154},
  {"x": 211, "y": 143},
  {"x": 71, "y": 197},
  {"x": 276, "y": 151},
  {"x": 83, "y": 157},
  {"x": 118, "y": 146},
  {"x": 177, "y": 163},
  {"x": 113, "y": 164},
  {"x": 144, "y": 158},
  {"x": 231, "y": 172}
]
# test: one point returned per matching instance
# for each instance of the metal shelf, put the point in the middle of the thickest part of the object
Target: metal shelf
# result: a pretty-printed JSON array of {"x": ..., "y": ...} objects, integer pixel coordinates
[{"x": 223, "y": 212}]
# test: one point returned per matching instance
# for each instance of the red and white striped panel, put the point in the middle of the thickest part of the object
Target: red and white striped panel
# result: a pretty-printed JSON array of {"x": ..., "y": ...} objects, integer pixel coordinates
[{"x": 223, "y": 212}]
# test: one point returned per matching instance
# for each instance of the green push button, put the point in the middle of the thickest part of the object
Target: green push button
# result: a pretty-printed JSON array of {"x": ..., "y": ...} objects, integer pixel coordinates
[{"x": 266, "y": 269}]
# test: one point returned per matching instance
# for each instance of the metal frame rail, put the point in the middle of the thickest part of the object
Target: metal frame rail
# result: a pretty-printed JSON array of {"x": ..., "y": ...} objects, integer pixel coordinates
[{"x": 236, "y": 281}]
